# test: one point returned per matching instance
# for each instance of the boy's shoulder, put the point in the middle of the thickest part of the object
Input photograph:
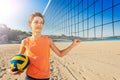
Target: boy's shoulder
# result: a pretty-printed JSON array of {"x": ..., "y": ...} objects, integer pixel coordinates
[{"x": 25, "y": 39}]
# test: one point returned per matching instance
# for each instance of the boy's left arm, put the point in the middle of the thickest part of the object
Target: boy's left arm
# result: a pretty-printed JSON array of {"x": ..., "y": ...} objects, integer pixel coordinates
[{"x": 63, "y": 52}]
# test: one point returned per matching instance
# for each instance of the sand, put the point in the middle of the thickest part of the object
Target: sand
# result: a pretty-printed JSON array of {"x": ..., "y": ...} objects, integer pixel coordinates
[{"x": 87, "y": 61}]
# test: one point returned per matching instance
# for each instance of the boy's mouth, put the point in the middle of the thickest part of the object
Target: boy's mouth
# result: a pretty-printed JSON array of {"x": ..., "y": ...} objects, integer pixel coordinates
[{"x": 38, "y": 28}]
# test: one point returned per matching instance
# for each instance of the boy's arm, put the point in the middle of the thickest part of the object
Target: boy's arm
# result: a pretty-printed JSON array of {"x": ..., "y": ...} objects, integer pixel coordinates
[
  {"x": 22, "y": 47},
  {"x": 63, "y": 52},
  {"x": 21, "y": 51}
]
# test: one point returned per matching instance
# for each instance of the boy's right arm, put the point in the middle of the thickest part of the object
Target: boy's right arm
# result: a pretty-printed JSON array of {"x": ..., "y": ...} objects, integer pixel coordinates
[
  {"x": 22, "y": 47},
  {"x": 21, "y": 51}
]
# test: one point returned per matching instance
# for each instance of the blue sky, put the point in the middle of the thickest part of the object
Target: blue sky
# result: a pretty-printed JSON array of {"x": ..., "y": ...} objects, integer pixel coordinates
[
  {"x": 15, "y": 13},
  {"x": 107, "y": 17}
]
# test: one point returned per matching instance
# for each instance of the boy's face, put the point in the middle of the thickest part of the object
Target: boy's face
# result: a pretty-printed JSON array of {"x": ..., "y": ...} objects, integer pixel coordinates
[{"x": 37, "y": 24}]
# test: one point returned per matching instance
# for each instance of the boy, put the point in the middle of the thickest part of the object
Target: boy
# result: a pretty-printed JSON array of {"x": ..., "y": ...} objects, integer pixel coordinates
[{"x": 38, "y": 48}]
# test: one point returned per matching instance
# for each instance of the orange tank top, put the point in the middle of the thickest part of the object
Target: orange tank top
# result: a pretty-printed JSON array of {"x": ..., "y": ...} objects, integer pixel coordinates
[{"x": 38, "y": 51}]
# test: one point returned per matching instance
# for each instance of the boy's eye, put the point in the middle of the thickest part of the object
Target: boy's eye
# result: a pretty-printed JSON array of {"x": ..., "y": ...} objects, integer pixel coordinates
[
  {"x": 36, "y": 22},
  {"x": 41, "y": 22}
]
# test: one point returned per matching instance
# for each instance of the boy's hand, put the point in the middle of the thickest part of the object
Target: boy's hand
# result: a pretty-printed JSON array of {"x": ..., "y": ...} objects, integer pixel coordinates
[
  {"x": 11, "y": 71},
  {"x": 76, "y": 41}
]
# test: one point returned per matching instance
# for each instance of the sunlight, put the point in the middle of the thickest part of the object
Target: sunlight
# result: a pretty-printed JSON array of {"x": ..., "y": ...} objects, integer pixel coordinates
[{"x": 8, "y": 8}]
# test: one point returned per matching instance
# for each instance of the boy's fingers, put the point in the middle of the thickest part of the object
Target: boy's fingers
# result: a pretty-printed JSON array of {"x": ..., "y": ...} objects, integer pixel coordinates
[
  {"x": 20, "y": 72},
  {"x": 11, "y": 71},
  {"x": 78, "y": 41},
  {"x": 15, "y": 72}
]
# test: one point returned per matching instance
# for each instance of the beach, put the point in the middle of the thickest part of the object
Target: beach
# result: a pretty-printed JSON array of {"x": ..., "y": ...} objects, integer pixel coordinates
[{"x": 97, "y": 60}]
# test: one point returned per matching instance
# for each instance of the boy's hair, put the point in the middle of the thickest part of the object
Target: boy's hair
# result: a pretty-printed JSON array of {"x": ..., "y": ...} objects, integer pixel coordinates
[{"x": 34, "y": 15}]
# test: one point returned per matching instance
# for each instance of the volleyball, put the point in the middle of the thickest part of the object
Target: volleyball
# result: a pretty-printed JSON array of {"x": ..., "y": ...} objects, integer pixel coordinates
[{"x": 19, "y": 62}]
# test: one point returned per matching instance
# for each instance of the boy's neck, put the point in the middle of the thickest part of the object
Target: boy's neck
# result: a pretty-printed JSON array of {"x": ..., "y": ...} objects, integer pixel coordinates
[{"x": 36, "y": 35}]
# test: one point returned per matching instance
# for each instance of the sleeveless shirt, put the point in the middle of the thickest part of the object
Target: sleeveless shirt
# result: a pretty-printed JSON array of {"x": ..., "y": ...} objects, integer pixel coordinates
[{"x": 38, "y": 51}]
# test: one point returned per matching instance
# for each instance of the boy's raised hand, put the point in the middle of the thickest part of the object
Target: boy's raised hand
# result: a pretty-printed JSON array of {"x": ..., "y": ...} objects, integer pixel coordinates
[
  {"x": 11, "y": 71},
  {"x": 76, "y": 41}
]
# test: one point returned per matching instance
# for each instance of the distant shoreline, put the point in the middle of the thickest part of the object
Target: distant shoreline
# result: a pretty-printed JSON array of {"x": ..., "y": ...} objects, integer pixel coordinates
[
  {"x": 103, "y": 39},
  {"x": 70, "y": 40}
]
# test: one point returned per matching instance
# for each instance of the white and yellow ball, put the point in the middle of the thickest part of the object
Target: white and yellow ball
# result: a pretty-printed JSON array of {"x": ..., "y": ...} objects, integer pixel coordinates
[{"x": 19, "y": 62}]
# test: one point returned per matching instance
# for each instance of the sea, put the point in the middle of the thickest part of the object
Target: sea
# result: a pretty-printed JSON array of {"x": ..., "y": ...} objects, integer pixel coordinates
[{"x": 85, "y": 40}]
